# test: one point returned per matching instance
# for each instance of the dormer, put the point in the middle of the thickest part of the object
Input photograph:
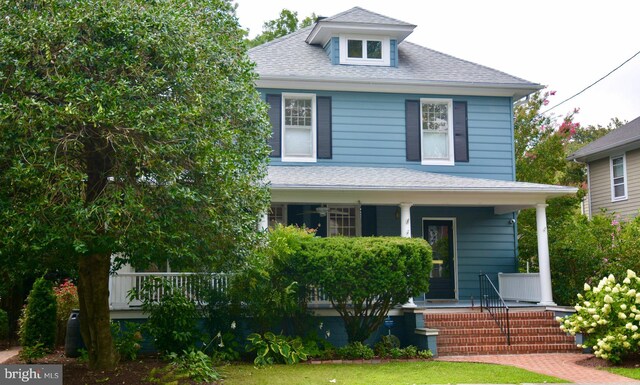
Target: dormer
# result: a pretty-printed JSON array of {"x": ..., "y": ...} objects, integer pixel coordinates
[{"x": 360, "y": 37}]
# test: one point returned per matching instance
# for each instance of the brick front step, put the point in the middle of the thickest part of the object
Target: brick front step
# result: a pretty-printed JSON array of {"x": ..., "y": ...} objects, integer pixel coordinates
[
  {"x": 474, "y": 333},
  {"x": 476, "y": 315},
  {"x": 489, "y": 323},
  {"x": 505, "y": 349},
  {"x": 496, "y": 331},
  {"x": 470, "y": 340}
]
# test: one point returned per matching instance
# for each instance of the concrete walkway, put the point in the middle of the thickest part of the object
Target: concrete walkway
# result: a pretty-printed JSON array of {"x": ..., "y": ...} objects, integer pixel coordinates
[
  {"x": 557, "y": 365},
  {"x": 6, "y": 354}
]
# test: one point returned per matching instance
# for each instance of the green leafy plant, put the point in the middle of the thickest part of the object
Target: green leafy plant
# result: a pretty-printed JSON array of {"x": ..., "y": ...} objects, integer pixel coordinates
[
  {"x": 38, "y": 324},
  {"x": 363, "y": 277},
  {"x": 127, "y": 339},
  {"x": 274, "y": 348},
  {"x": 608, "y": 315},
  {"x": 66, "y": 300},
  {"x": 196, "y": 364},
  {"x": 425, "y": 354},
  {"x": 4, "y": 325},
  {"x": 33, "y": 352},
  {"x": 355, "y": 350},
  {"x": 84, "y": 355},
  {"x": 383, "y": 347},
  {"x": 410, "y": 352},
  {"x": 172, "y": 318}
]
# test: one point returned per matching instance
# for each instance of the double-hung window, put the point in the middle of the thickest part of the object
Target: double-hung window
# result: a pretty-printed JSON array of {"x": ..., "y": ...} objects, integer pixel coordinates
[
  {"x": 437, "y": 131},
  {"x": 299, "y": 127},
  {"x": 618, "y": 178}
]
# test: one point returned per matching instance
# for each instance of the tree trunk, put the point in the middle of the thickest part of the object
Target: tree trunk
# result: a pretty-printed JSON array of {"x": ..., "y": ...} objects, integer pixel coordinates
[{"x": 95, "y": 324}]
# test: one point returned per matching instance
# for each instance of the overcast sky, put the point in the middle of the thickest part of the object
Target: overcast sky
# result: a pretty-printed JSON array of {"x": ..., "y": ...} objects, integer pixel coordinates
[{"x": 563, "y": 44}]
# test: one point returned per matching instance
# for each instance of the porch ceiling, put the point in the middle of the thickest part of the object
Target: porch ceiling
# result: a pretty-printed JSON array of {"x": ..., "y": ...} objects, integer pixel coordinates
[{"x": 391, "y": 186}]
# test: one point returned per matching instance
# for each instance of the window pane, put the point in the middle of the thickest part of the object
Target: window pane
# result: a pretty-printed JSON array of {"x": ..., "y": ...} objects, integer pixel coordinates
[
  {"x": 297, "y": 112},
  {"x": 342, "y": 221},
  {"x": 297, "y": 142},
  {"x": 435, "y": 146},
  {"x": 354, "y": 48},
  {"x": 374, "y": 49},
  {"x": 618, "y": 191},
  {"x": 435, "y": 131},
  {"x": 618, "y": 167}
]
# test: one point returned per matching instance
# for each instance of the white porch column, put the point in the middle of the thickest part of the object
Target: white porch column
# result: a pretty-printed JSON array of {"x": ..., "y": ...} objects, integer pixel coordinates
[
  {"x": 405, "y": 232},
  {"x": 543, "y": 256},
  {"x": 264, "y": 222},
  {"x": 405, "y": 220}
]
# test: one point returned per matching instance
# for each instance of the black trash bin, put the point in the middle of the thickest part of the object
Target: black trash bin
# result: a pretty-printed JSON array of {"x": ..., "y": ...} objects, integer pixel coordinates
[{"x": 73, "y": 341}]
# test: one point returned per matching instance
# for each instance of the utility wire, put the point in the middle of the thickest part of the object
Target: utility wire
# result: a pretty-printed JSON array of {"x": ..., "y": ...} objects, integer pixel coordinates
[{"x": 592, "y": 84}]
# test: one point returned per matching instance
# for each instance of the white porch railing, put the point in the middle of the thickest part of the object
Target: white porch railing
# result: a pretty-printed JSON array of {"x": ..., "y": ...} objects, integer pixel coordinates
[
  {"x": 520, "y": 287},
  {"x": 122, "y": 283}
]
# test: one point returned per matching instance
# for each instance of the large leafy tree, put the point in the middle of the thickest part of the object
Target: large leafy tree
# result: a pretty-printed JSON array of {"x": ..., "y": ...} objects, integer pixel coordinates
[
  {"x": 285, "y": 24},
  {"x": 128, "y": 128}
]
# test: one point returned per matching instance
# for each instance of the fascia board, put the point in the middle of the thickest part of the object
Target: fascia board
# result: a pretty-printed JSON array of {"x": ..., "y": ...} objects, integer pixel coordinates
[{"x": 397, "y": 86}]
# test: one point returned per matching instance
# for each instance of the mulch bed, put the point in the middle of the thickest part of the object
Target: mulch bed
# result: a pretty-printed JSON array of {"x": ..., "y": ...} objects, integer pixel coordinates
[
  {"x": 631, "y": 362},
  {"x": 77, "y": 373}
]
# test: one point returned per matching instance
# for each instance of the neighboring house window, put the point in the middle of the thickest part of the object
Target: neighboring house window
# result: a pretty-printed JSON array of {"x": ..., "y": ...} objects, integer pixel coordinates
[
  {"x": 343, "y": 221},
  {"x": 426, "y": 141},
  {"x": 301, "y": 127},
  {"x": 362, "y": 50},
  {"x": 278, "y": 214},
  {"x": 618, "y": 178},
  {"x": 437, "y": 131}
]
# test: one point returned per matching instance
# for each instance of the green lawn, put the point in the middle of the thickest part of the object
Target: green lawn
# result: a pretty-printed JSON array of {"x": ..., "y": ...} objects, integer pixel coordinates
[
  {"x": 396, "y": 373},
  {"x": 627, "y": 372}
]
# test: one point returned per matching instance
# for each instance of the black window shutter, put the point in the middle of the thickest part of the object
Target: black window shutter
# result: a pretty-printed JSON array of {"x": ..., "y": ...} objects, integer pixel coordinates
[
  {"x": 275, "y": 112},
  {"x": 412, "y": 124},
  {"x": 460, "y": 132},
  {"x": 324, "y": 126}
]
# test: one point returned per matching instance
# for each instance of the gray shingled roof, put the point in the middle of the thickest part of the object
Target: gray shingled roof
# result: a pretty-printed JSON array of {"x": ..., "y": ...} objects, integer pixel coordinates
[
  {"x": 290, "y": 57},
  {"x": 394, "y": 179},
  {"x": 627, "y": 135},
  {"x": 361, "y": 15}
]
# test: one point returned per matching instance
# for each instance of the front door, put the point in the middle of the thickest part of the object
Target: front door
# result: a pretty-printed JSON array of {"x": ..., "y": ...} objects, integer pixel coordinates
[{"x": 439, "y": 234}]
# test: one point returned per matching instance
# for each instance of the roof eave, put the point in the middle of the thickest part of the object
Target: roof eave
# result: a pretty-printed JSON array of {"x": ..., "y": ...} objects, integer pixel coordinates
[
  {"x": 323, "y": 30},
  {"x": 515, "y": 91},
  {"x": 600, "y": 153}
]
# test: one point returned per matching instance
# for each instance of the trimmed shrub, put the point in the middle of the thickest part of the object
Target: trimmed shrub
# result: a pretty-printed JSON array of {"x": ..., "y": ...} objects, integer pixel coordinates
[
  {"x": 363, "y": 277},
  {"x": 355, "y": 351},
  {"x": 38, "y": 324},
  {"x": 609, "y": 317}
]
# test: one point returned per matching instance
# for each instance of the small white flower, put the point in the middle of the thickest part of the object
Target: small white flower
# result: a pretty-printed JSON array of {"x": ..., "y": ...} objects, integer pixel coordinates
[
  {"x": 623, "y": 307},
  {"x": 615, "y": 290},
  {"x": 221, "y": 344},
  {"x": 621, "y": 315},
  {"x": 607, "y": 289},
  {"x": 219, "y": 335},
  {"x": 631, "y": 274},
  {"x": 333, "y": 381},
  {"x": 233, "y": 325},
  {"x": 608, "y": 299},
  {"x": 321, "y": 325},
  {"x": 596, "y": 317},
  {"x": 634, "y": 328},
  {"x": 626, "y": 344},
  {"x": 627, "y": 281},
  {"x": 327, "y": 333},
  {"x": 587, "y": 287},
  {"x": 632, "y": 293},
  {"x": 611, "y": 278},
  {"x": 578, "y": 307}
]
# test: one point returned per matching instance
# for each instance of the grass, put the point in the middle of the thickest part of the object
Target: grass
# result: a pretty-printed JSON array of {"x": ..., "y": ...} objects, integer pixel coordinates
[
  {"x": 396, "y": 373},
  {"x": 627, "y": 372}
]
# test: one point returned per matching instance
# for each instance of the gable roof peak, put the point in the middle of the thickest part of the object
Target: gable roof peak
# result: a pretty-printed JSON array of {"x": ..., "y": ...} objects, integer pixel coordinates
[{"x": 361, "y": 15}]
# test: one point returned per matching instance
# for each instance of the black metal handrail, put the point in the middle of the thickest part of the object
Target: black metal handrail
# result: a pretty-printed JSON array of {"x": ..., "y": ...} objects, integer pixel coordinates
[{"x": 491, "y": 300}]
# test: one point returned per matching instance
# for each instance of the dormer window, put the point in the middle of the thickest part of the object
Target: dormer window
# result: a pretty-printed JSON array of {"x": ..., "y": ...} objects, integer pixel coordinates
[{"x": 364, "y": 50}]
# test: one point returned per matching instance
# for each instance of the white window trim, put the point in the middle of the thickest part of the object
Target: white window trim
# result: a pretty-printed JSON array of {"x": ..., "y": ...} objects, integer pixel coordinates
[
  {"x": 358, "y": 213},
  {"x": 439, "y": 162},
  {"x": 314, "y": 149},
  {"x": 624, "y": 175},
  {"x": 386, "y": 51}
]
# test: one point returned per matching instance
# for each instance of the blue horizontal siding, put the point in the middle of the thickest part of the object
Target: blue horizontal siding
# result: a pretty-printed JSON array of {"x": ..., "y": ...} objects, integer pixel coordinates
[
  {"x": 369, "y": 130},
  {"x": 485, "y": 241}
]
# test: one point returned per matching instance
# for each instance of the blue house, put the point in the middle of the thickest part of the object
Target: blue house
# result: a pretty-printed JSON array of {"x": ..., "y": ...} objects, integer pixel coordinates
[{"x": 374, "y": 135}]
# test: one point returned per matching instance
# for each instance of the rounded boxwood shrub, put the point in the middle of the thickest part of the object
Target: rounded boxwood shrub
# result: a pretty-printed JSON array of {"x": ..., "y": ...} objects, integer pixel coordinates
[
  {"x": 364, "y": 277},
  {"x": 38, "y": 325}
]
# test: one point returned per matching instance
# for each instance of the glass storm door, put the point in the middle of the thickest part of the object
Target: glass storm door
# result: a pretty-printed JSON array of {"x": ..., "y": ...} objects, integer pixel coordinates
[{"x": 439, "y": 234}]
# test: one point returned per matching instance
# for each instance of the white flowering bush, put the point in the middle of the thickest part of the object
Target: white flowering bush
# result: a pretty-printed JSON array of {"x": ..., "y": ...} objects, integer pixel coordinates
[{"x": 608, "y": 315}]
